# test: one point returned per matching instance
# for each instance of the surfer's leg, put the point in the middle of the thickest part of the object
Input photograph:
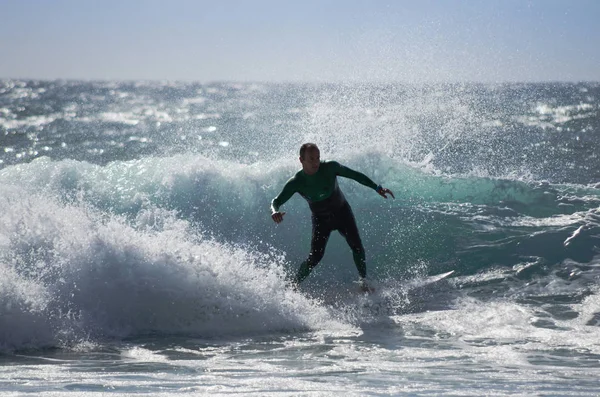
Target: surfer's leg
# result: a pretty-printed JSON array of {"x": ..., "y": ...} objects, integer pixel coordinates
[
  {"x": 349, "y": 230},
  {"x": 320, "y": 235}
]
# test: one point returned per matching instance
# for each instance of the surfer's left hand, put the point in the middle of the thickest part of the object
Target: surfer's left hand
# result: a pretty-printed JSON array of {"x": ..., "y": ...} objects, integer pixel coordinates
[{"x": 383, "y": 191}]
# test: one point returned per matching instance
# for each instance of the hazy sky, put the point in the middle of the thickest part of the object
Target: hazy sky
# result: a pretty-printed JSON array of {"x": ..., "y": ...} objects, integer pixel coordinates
[{"x": 301, "y": 40}]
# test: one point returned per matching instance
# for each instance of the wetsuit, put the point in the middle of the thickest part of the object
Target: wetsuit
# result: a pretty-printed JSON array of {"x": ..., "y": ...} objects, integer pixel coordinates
[{"x": 330, "y": 211}]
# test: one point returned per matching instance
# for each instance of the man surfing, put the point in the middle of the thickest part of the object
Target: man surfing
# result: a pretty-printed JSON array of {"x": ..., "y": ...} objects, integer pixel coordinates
[{"x": 317, "y": 183}]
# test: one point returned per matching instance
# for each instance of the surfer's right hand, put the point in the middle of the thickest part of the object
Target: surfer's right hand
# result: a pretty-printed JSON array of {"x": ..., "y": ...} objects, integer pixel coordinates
[{"x": 277, "y": 216}]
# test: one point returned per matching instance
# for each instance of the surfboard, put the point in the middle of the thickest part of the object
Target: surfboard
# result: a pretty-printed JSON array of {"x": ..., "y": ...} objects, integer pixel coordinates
[
  {"x": 415, "y": 283},
  {"x": 422, "y": 282},
  {"x": 419, "y": 292}
]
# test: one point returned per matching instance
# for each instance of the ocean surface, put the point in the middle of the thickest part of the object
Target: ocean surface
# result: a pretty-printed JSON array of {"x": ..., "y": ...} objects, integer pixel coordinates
[{"x": 138, "y": 256}]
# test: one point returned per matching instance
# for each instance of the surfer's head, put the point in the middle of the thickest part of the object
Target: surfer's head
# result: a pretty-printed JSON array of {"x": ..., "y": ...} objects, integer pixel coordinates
[{"x": 310, "y": 157}]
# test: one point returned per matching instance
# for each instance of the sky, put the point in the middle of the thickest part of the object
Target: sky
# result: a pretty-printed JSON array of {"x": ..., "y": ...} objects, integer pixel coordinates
[{"x": 301, "y": 41}]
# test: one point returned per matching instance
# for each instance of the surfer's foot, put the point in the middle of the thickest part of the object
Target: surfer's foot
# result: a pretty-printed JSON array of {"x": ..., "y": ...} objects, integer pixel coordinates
[{"x": 364, "y": 286}]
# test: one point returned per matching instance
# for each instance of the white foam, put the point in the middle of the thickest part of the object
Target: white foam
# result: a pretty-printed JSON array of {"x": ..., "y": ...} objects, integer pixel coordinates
[
  {"x": 120, "y": 117},
  {"x": 23, "y": 321},
  {"x": 138, "y": 353},
  {"x": 506, "y": 332},
  {"x": 547, "y": 116},
  {"x": 71, "y": 273},
  {"x": 32, "y": 121}
]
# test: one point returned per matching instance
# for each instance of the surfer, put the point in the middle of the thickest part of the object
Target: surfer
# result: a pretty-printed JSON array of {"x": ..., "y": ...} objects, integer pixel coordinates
[{"x": 317, "y": 183}]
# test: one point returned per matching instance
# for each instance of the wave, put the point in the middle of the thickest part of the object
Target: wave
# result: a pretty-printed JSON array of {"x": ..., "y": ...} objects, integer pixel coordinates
[
  {"x": 185, "y": 244},
  {"x": 230, "y": 201},
  {"x": 71, "y": 274}
]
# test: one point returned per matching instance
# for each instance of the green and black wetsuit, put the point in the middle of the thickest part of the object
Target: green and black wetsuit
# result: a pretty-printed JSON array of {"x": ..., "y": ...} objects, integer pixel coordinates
[{"x": 330, "y": 211}]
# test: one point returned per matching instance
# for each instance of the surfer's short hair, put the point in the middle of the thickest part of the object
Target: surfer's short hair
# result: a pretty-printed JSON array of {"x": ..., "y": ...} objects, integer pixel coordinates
[{"x": 305, "y": 147}]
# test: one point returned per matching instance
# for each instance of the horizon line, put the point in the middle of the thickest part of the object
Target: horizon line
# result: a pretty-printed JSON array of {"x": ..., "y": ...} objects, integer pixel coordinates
[{"x": 295, "y": 82}]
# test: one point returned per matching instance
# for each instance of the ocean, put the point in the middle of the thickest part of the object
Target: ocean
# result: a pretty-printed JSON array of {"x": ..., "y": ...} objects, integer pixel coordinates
[{"x": 138, "y": 256}]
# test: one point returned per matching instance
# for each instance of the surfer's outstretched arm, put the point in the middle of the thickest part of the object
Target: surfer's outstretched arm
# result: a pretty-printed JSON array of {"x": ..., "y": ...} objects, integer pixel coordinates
[
  {"x": 288, "y": 191},
  {"x": 361, "y": 178}
]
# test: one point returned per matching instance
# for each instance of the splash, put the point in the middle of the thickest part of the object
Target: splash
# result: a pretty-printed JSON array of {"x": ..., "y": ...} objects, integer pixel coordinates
[{"x": 71, "y": 273}]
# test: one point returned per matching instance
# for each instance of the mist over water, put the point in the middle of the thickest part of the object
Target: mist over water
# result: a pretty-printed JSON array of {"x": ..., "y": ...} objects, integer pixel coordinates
[{"x": 136, "y": 215}]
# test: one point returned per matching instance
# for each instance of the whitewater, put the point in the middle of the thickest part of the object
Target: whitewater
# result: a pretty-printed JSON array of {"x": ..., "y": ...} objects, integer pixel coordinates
[{"x": 138, "y": 255}]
